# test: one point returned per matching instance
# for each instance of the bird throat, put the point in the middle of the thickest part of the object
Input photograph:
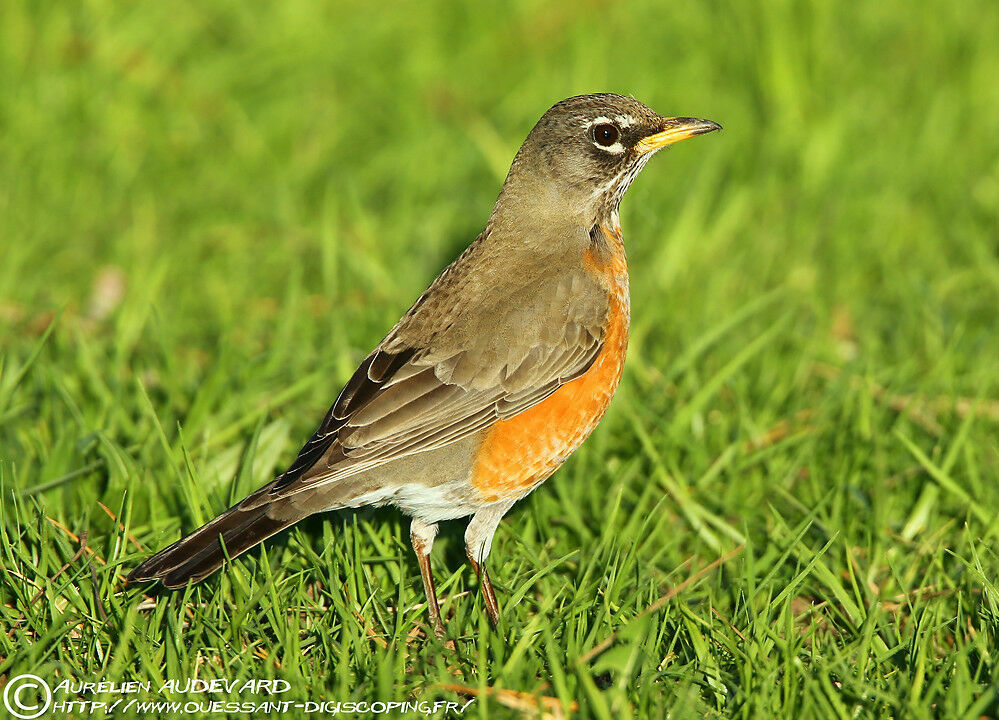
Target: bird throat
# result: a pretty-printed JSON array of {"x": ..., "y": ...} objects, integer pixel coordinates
[{"x": 610, "y": 194}]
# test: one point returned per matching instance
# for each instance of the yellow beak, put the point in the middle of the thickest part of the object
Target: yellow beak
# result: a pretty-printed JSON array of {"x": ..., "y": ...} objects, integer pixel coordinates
[{"x": 677, "y": 129}]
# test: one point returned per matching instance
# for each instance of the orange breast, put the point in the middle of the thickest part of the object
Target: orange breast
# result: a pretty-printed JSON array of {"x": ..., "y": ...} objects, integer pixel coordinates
[{"x": 518, "y": 454}]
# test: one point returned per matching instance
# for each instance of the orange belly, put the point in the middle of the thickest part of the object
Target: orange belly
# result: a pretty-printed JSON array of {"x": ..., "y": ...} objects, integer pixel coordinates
[{"x": 518, "y": 454}]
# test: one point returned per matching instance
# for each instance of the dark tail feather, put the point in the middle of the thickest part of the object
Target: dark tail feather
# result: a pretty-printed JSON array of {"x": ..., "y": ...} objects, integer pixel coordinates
[{"x": 195, "y": 557}]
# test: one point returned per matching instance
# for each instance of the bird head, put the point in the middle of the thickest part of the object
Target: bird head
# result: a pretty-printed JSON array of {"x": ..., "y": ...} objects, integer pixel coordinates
[{"x": 584, "y": 152}]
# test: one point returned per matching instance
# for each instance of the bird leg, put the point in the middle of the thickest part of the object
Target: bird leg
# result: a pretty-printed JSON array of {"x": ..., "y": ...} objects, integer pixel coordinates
[
  {"x": 422, "y": 536},
  {"x": 488, "y": 594},
  {"x": 478, "y": 543}
]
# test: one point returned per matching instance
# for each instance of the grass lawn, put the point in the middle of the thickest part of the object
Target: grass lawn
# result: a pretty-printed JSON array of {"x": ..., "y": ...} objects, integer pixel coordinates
[{"x": 211, "y": 211}]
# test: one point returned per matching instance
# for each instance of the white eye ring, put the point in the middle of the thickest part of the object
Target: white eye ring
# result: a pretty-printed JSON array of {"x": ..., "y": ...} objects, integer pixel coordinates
[{"x": 615, "y": 147}]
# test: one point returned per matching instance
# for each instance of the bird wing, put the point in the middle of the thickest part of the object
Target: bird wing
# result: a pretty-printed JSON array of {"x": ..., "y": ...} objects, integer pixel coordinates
[{"x": 448, "y": 370}]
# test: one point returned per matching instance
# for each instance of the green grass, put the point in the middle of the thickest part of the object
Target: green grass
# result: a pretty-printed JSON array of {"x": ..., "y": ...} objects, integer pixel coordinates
[{"x": 210, "y": 212}]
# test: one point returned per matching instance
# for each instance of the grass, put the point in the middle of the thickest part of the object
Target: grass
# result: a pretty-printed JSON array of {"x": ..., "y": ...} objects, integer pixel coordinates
[{"x": 209, "y": 213}]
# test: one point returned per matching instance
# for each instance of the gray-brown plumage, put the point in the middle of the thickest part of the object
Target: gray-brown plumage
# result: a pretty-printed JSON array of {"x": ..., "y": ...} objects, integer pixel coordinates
[{"x": 516, "y": 330}]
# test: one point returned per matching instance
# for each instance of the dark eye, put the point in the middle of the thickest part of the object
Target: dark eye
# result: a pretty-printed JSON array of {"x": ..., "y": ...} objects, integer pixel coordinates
[{"x": 605, "y": 134}]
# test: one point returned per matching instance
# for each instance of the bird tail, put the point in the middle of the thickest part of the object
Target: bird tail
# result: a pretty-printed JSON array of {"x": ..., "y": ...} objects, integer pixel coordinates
[{"x": 198, "y": 555}]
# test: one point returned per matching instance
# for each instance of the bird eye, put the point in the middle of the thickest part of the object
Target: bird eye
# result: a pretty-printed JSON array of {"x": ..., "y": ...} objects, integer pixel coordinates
[{"x": 605, "y": 134}]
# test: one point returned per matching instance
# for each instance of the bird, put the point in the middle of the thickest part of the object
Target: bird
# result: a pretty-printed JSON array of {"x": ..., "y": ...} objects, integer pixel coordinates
[{"x": 495, "y": 375}]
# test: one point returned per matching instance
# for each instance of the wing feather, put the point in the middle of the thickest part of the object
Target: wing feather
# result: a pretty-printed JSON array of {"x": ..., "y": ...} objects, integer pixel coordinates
[{"x": 474, "y": 367}]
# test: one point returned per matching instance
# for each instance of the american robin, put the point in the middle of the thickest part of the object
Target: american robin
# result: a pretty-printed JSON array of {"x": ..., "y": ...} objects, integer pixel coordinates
[{"x": 498, "y": 372}]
